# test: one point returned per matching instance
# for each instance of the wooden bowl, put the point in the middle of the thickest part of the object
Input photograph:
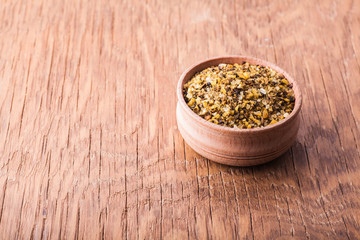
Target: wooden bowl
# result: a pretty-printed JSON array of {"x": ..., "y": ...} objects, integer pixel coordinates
[{"x": 236, "y": 147}]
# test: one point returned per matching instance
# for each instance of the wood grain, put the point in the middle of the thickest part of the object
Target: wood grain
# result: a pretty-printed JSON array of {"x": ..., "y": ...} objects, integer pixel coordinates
[{"x": 89, "y": 146}]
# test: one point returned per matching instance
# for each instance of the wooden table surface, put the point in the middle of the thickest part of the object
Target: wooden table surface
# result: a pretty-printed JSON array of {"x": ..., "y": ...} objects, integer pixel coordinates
[{"x": 89, "y": 143}]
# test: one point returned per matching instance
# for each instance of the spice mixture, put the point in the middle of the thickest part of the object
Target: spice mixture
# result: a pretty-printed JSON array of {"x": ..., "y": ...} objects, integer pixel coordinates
[{"x": 240, "y": 95}]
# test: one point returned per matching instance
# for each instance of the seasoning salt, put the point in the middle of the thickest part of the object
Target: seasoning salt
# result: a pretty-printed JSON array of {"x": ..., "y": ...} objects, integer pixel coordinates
[{"x": 240, "y": 95}]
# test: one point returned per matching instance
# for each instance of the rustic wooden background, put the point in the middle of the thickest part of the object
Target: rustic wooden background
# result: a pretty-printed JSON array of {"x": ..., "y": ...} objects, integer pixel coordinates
[{"x": 89, "y": 144}]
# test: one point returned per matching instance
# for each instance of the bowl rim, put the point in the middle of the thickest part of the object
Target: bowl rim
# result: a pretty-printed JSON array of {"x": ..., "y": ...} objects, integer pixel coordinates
[{"x": 240, "y": 58}]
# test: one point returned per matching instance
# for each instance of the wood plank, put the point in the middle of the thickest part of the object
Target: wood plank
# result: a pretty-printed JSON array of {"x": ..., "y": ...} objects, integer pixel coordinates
[{"x": 89, "y": 146}]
